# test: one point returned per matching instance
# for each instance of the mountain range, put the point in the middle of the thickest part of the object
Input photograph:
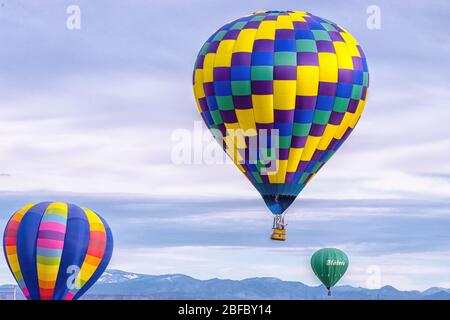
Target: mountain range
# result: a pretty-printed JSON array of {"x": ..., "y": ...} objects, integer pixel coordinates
[{"x": 116, "y": 284}]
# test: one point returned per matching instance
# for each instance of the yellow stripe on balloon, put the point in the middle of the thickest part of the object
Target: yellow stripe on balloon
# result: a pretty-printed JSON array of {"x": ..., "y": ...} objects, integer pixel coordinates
[
  {"x": 246, "y": 121},
  {"x": 307, "y": 80},
  {"x": 343, "y": 126},
  {"x": 263, "y": 108},
  {"x": 348, "y": 37},
  {"x": 344, "y": 58},
  {"x": 231, "y": 127},
  {"x": 266, "y": 30},
  {"x": 93, "y": 219},
  {"x": 224, "y": 53},
  {"x": 327, "y": 136},
  {"x": 87, "y": 269},
  {"x": 47, "y": 272},
  {"x": 284, "y": 22},
  {"x": 295, "y": 155},
  {"x": 357, "y": 114},
  {"x": 198, "y": 84},
  {"x": 86, "y": 272},
  {"x": 14, "y": 263},
  {"x": 284, "y": 93},
  {"x": 351, "y": 43},
  {"x": 310, "y": 147},
  {"x": 58, "y": 208},
  {"x": 199, "y": 91},
  {"x": 279, "y": 176},
  {"x": 328, "y": 70},
  {"x": 208, "y": 67},
  {"x": 245, "y": 40}
]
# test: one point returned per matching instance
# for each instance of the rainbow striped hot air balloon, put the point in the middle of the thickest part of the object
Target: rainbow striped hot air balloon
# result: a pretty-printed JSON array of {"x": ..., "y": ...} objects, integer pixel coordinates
[
  {"x": 56, "y": 250},
  {"x": 295, "y": 82}
]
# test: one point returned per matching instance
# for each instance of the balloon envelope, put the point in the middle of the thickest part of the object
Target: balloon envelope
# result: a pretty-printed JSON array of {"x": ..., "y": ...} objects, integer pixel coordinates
[
  {"x": 296, "y": 82},
  {"x": 329, "y": 265},
  {"x": 55, "y": 250}
]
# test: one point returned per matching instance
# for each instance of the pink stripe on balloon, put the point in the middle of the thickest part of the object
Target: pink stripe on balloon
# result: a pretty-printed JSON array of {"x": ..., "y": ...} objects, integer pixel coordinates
[
  {"x": 52, "y": 226},
  {"x": 50, "y": 244},
  {"x": 26, "y": 293},
  {"x": 69, "y": 296}
]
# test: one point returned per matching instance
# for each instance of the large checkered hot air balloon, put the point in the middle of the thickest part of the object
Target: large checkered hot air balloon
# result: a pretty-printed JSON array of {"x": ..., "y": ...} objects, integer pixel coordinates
[
  {"x": 281, "y": 90},
  {"x": 56, "y": 251}
]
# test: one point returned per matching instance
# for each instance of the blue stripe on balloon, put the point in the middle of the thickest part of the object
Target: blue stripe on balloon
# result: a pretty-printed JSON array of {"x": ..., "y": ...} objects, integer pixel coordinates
[
  {"x": 262, "y": 58},
  {"x": 240, "y": 73},
  {"x": 222, "y": 88},
  {"x": 303, "y": 116},
  {"x": 26, "y": 247},
  {"x": 103, "y": 264},
  {"x": 55, "y": 218},
  {"x": 284, "y": 129},
  {"x": 75, "y": 248},
  {"x": 344, "y": 90},
  {"x": 50, "y": 252}
]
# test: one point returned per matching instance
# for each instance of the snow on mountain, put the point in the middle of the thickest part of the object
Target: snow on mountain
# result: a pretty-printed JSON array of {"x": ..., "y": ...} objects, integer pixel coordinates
[
  {"x": 123, "y": 285},
  {"x": 117, "y": 276},
  {"x": 117, "y": 284}
]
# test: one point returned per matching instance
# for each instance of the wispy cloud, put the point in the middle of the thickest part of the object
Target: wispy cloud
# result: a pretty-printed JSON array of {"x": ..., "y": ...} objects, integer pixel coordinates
[{"x": 230, "y": 238}]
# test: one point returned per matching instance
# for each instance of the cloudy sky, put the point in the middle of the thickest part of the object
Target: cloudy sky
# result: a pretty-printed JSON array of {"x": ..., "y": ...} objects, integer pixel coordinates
[{"x": 92, "y": 116}]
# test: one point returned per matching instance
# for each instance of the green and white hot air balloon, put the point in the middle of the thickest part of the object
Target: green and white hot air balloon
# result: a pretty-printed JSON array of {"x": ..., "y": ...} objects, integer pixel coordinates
[{"x": 329, "y": 265}]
